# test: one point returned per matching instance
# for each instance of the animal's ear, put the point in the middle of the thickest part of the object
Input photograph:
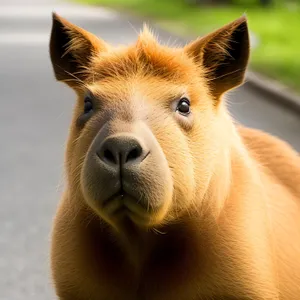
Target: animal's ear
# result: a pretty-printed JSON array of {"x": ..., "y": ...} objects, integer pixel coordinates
[
  {"x": 71, "y": 50},
  {"x": 223, "y": 54}
]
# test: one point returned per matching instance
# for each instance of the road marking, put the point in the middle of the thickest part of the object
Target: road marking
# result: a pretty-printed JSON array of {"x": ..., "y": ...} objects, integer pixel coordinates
[
  {"x": 24, "y": 39},
  {"x": 13, "y": 13},
  {"x": 44, "y": 11}
]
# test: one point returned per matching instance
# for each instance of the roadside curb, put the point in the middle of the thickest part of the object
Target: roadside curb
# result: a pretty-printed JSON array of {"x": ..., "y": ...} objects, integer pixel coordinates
[{"x": 273, "y": 89}]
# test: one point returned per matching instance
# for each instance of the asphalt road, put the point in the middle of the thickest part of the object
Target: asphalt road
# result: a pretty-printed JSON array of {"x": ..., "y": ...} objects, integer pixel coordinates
[{"x": 34, "y": 117}]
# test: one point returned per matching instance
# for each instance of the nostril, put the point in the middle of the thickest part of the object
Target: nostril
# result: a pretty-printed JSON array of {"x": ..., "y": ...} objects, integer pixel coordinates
[
  {"x": 108, "y": 155},
  {"x": 121, "y": 149},
  {"x": 135, "y": 153}
]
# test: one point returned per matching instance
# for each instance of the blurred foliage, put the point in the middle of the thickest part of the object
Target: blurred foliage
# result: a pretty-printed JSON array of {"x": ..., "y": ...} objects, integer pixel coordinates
[
  {"x": 276, "y": 27},
  {"x": 243, "y": 3},
  {"x": 248, "y": 3}
]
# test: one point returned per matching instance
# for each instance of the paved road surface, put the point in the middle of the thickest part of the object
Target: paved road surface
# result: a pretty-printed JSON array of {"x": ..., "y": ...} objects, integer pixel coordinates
[{"x": 34, "y": 117}]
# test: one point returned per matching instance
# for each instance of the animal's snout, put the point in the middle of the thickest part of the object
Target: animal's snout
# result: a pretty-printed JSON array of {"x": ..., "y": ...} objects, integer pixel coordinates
[
  {"x": 119, "y": 150},
  {"x": 126, "y": 174}
]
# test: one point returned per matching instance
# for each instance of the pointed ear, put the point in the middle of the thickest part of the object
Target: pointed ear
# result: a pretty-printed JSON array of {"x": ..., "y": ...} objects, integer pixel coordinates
[
  {"x": 224, "y": 56},
  {"x": 71, "y": 50}
]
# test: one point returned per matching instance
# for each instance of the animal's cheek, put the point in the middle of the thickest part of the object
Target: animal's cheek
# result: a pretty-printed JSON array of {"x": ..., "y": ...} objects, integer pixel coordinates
[
  {"x": 185, "y": 122},
  {"x": 175, "y": 146},
  {"x": 184, "y": 183},
  {"x": 78, "y": 146}
]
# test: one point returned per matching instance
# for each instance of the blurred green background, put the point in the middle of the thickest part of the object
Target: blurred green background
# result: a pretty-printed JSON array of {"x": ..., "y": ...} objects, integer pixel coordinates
[{"x": 274, "y": 26}]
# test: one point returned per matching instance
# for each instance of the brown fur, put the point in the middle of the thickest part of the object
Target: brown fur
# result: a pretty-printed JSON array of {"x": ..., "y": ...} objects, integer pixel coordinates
[{"x": 229, "y": 225}]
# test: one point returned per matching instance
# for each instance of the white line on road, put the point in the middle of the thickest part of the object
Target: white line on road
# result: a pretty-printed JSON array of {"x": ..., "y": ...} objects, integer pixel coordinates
[
  {"x": 24, "y": 39},
  {"x": 44, "y": 11},
  {"x": 14, "y": 13}
]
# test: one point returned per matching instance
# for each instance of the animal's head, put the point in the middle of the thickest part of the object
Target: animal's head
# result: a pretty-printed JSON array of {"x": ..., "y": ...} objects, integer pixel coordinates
[{"x": 149, "y": 127}]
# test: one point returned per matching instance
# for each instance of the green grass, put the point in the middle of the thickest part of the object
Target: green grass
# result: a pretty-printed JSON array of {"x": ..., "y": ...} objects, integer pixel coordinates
[{"x": 277, "y": 28}]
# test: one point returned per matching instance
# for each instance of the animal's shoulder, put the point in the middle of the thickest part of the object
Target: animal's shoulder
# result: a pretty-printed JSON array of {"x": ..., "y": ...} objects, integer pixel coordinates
[
  {"x": 256, "y": 139},
  {"x": 281, "y": 160}
]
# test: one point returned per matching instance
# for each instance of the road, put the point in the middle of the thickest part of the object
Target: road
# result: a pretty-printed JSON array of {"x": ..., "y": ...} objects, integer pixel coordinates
[{"x": 34, "y": 117}]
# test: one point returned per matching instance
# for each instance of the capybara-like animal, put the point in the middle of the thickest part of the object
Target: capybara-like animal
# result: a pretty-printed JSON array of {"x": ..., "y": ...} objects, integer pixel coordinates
[{"x": 166, "y": 197}]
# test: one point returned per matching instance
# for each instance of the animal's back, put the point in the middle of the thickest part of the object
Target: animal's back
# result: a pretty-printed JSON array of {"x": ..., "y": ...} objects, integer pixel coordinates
[
  {"x": 276, "y": 156},
  {"x": 280, "y": 168}
]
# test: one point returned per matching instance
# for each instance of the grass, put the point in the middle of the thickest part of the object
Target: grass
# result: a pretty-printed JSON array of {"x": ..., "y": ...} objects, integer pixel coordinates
[{"x": 277, "y": 28}]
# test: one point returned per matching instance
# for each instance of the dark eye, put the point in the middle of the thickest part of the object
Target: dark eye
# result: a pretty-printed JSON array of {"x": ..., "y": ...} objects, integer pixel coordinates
[
  {"x": 88, "y": 105},
  {"x": 183, "y": 106}
]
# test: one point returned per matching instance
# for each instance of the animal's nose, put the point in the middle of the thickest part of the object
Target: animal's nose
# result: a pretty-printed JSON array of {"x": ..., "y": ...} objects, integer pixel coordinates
[{"x": 120, "y": 150}]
